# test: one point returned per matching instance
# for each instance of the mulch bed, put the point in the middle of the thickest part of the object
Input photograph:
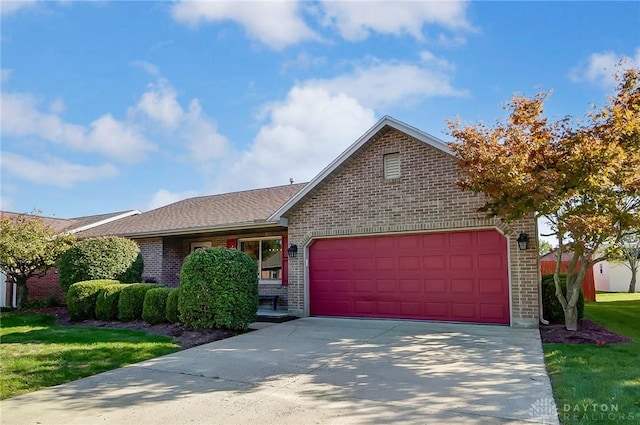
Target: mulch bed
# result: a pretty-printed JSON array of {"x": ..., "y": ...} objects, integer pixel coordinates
[
  {"x": 588, "y": 333},
  {"x": 187, "y": 338}
]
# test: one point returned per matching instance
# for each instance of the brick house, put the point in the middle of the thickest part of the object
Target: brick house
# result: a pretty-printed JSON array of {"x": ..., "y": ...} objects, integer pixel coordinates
[
  {"x": 44, "y": 287},
  {"x": 381, "y": 232}
]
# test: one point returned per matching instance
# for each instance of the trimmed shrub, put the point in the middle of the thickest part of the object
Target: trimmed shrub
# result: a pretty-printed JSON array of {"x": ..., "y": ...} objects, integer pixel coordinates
[
  {"x": 100, "y": 258},
  {"x": 218, "y": 287},
  {"x": 155, "y": 305},
  {"x": 82, "y": 297},
  {"x": 131, "y": 301},
  {"x": 171, "y": 310},
  {"x": 552, "y": 308},
  {"x": 107, "y": 302}
]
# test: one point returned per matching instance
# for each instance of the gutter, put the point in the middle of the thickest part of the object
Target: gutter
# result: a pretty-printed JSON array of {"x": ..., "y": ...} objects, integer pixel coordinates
[{"x": 204, "y": 229}]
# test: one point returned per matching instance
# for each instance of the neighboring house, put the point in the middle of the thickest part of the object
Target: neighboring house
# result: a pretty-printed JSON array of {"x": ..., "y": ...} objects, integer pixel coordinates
[
  {"x": 382, "y": 231},
  {"x": 48, "y": 285},
  {"x": 548, "y": 266},
  {"x": 614, "y": 276}
]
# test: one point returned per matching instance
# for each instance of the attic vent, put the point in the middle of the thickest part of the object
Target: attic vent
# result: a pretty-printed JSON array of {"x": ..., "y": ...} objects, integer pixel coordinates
[{"x": 391, "y": 165}]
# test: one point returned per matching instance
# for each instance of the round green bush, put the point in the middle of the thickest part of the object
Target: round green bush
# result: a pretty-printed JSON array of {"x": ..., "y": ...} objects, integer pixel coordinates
[
  {"x": 552, "y": 308},
  {"x": 100, "y": 258},
  {"x": 82, "y": 297},
  {"x": 131, "y": 301},
  {"x": 218, "y": 287},
  {"x": 107, "y": 302},
  {"x": 155, "y": 305},
  {"x": 171, "y": 311}
]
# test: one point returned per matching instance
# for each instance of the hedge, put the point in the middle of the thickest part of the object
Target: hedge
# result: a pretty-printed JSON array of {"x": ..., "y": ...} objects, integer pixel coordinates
[
  {"x": 107, "y": 302},
  {"x": 171, "y": 311},
  {"x": 100, "y": 258},
  {"x": 82, "y": 297},
  {"x": 155, "y": 305},
  {"x": 219, "y": 287},
  {"x": 131, "y": 301},
  {"x": 552, "y": 308}
]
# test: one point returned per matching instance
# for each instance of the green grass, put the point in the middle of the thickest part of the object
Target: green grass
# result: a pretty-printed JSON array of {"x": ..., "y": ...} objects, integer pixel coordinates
[
  {"x": 36, "y": 353},
  {"x": 609, "y": 376}
]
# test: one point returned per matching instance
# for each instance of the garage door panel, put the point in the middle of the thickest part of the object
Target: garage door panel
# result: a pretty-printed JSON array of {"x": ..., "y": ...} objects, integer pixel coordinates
[
  {"x": 463, "y": 311},
  {"x": 410, "y": 286},
  {"x": 386, "y": 285},
  {"x": 438, "y": 286},
  {"x": 385, "y": 263},
  {"x": 340, "y": 286},
  {"x": 461, "y": 262},
  {"x": 437, "y": 311},
  {"x": 490, "y": 262},
  {"x": 462, "y": 286},
  {"x": 455, "y": 276},
  {"x": 491, "y": 286},
  {"x": 434, "y": 262},
  {"x": 411, "y": 309}
]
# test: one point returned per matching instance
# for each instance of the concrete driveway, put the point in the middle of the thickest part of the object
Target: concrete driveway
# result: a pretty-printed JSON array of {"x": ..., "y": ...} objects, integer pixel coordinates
[{"x": 317, "y": 371}]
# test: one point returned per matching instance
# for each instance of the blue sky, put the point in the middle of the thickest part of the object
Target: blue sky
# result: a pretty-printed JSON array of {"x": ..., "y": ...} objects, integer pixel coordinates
[{"x": 110, "y": 105}]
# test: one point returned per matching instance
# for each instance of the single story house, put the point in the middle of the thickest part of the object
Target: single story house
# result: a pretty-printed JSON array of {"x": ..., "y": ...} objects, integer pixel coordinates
[
  {"x": 614, "y": 276},
  {"x": 381, "y": 232},
  {"x": 44, "y": 287}
]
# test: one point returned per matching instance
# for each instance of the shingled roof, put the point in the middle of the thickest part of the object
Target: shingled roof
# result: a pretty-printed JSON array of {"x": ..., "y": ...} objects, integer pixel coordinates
[
  {"x": 72, "y": 225},
  {"x": 236, "y": 210}
]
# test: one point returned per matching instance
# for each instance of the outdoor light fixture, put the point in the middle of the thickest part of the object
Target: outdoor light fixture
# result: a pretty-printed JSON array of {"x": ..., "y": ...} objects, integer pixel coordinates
[
  {"x": 523, "y": 241},
  {"x": 293, "y": 250}
]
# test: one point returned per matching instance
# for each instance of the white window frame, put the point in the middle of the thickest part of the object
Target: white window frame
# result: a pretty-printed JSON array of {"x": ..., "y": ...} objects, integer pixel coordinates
[{"x": 260, "y": 239}]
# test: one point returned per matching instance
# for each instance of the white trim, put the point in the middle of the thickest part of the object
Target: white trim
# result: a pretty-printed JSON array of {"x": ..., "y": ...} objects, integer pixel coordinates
[
  {"x": 262, "y": 281},
  {"x": 105, "y": 221},
  {"x": 385, "y": 121}
]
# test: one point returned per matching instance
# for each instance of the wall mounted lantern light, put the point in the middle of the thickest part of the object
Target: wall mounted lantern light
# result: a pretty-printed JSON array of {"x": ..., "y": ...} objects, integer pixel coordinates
[
  {"x": 523, "y": 241},
  {"x": 293, "y": 250}
]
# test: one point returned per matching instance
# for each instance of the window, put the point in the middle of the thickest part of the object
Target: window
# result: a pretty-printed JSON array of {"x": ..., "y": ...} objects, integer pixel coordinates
[
  {"x": 268, "y": 255},
  {"x": 200, "y": 245},
  {"x": 391, "y": 165}
]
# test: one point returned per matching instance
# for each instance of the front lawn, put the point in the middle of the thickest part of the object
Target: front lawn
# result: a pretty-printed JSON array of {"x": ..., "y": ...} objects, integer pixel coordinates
[
  {"x": 36, "y": 353},
  {"x": 600, "y": 385}
]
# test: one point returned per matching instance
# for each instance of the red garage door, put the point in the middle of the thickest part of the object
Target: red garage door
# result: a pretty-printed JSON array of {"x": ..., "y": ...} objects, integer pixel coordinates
[{"x": 455, "y": 276}]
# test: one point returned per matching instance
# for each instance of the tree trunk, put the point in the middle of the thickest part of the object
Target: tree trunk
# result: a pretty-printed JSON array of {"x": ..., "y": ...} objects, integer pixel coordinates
[
  {"x": 571, "y": 318},
  {"x": 632, "y": 284},
  {"x": 23, "y": 295}
]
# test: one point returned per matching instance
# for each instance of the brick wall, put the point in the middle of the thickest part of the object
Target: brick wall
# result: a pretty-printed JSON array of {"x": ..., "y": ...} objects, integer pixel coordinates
[
  {"x": 42, "y": 288},
  {"x": 357, "y": 200},
  {"x": 166, "y": 256},
  {"x": 151, "y": 250}
]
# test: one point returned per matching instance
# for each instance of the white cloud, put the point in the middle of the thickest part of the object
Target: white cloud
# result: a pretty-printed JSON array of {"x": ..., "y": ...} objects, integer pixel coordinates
[
  {"x": 106, "y": 135},
  {"x": 356, "y": 20},
  {"x": 193, "y": 127},
  {"x": 55, "y": 172},
  {"x": 161, "y": 105},
  {"x": 277, "y": 24},
  {"x": 12, "y": 6},
  {"x": 164, "y": 197},
  {"x": 384, "y": 84},
  {"x": 304, "y": 134},
  {"x": 600, "y": 68}
]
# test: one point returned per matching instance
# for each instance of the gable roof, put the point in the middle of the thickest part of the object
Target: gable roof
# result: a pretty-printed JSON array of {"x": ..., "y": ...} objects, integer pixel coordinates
[
  {"x": 386, "y": 121},
  {"x": 77, "y": 224},
  {"x": 236, "y": 210}
]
